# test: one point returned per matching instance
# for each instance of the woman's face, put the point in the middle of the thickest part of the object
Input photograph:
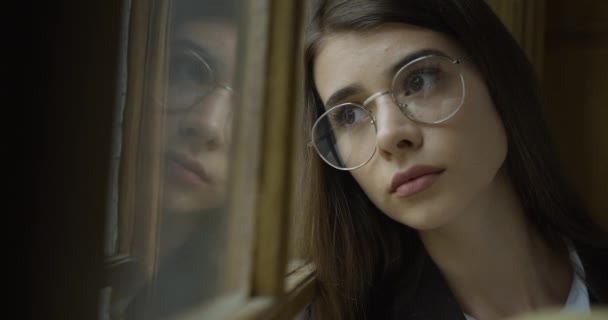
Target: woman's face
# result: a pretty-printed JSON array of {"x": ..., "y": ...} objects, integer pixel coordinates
[
  {"x": 465, "y": 152},
  {"x": 198, "y": 134}
]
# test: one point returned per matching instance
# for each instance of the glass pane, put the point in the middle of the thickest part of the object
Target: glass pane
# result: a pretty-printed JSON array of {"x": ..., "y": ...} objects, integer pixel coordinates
[
  {"x": 177, "y": 264},
  {"x": 199, "y": 102}
]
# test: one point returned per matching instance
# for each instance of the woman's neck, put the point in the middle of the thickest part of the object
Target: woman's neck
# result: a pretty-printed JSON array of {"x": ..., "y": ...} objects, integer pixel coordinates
[
  {"x": 494, "y": 262},
  {"x": 177, "y": 228}
]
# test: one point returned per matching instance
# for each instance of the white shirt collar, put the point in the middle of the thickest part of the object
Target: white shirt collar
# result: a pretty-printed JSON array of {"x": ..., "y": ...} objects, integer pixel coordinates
[{"x": 578, "y": 297}]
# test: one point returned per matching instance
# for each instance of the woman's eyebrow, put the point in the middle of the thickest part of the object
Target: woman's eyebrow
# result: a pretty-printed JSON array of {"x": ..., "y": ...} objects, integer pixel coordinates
[
  {"x": 353, "y": 89},
  {"x": 342, "y": 94},
  {"x": 212, "y": 60},
  {"x": 390, "y": 72}
]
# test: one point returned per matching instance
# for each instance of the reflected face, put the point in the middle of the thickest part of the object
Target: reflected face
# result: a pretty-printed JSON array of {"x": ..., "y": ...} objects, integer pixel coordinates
[
  {"x": 422, "y": 175},
  {"x": 198, "y": 127}
]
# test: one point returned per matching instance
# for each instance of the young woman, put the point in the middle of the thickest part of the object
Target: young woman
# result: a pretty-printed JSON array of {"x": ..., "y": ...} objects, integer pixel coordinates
[{"x": 433, "y": 191}]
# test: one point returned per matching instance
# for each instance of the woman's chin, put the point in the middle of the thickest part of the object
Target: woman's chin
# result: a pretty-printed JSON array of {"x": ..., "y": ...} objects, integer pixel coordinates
[
  {"x": 179, "y": 201},
  {"x": 424, "y": 220},
  {"x": 183, "y": 204}
]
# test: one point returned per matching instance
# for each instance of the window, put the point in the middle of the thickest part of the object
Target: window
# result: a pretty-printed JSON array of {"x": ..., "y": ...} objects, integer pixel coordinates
[{"x": 197, "y": 227}]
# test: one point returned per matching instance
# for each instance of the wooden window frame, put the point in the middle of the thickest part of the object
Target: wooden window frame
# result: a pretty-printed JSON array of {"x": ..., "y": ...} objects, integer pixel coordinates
[{"x": 271, "y": 38}]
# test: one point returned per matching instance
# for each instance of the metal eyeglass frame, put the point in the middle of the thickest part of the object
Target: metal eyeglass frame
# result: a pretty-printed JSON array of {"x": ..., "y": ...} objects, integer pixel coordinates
[
  {"x": 402, "y": 107},
  {"x": 215, "y": 84}
]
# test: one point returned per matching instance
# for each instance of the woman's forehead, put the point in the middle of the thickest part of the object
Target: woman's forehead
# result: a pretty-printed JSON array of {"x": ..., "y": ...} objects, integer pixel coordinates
[
  {"x": 344, "y": 57},
  {"x": 219, "y": 35},
  {"x": 386, "y": 41},
  {"x": 218, "y": 39}
]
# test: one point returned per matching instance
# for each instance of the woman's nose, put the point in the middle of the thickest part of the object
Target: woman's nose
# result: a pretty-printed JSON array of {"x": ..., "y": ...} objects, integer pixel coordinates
[
  {"x": 207, "y": 122},
  {"x": 396, "y": 133}
]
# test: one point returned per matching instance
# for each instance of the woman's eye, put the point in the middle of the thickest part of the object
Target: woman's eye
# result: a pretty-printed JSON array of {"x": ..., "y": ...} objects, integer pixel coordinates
[
  {"x": 421, "y": 80},
  {"x": 186, "y": 70},
  {"x": 349, "y": 116}
]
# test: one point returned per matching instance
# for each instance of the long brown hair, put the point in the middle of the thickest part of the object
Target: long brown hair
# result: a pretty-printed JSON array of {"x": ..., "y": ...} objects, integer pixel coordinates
[{"x": 354, "y": 245}]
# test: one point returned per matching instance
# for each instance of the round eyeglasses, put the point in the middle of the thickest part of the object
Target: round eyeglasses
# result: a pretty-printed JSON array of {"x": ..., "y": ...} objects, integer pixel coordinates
[
  {"x": 191, "y": 79},
  {"x": 428, "y": 90}
]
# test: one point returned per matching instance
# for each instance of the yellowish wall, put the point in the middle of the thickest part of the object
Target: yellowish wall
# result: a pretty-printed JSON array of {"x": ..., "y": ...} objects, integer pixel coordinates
[
  {"x": 575, "y": 86},
  {"x": 567, "y": 41}
]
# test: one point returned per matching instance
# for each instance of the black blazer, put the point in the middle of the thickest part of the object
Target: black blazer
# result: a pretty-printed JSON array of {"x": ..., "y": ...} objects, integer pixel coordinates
[{"x": 431, "y": 299}]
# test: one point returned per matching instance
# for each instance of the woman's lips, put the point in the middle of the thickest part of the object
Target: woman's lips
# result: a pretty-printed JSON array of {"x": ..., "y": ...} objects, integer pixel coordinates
[
  {"x": 186, "y": 169},
  {"x": 414, "y": 180}
]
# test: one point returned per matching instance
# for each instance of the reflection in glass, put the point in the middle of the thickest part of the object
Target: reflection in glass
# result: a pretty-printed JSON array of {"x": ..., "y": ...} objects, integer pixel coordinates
[
  {"x": 197, "y": 108},
  {"x": 198, "y": 105}
]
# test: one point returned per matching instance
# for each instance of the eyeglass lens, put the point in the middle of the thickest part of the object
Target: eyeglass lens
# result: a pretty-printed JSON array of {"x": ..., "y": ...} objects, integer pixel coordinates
[
  {"x": 430, "y": 90},
  {"x": 345, "y": 136},
  {"x": 190, "y": 78}
]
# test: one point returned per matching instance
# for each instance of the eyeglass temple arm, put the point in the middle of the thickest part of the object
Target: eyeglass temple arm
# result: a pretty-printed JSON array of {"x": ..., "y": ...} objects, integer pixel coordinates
[{"x": 226, "y": 87}]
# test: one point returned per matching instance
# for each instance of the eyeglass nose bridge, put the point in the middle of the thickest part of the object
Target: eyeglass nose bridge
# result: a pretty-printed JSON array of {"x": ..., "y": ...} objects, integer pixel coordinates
[
  {"x": 374, "y": 97},
  {"x": 217, "y": 86},
  {"x": 226, "y": 87},
  {"x": 402, "y": 107}
]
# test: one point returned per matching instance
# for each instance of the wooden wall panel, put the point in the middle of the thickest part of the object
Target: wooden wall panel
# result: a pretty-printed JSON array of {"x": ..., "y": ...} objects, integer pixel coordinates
[
  {"x": 576, "y": 95},
  {"x": 526, "y": 21}
]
